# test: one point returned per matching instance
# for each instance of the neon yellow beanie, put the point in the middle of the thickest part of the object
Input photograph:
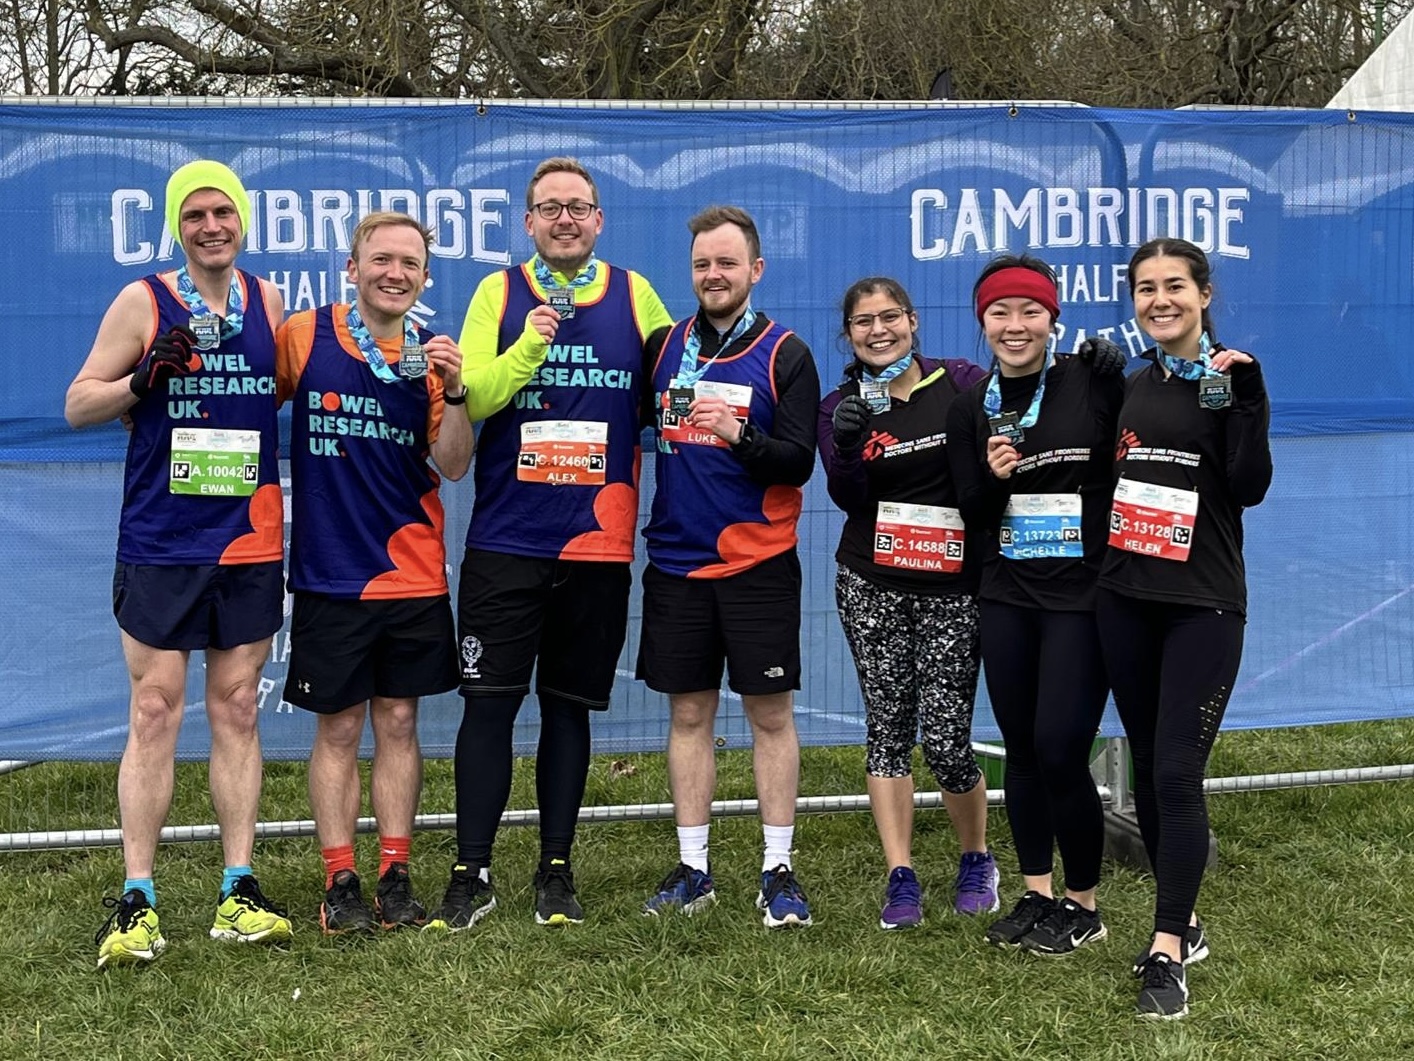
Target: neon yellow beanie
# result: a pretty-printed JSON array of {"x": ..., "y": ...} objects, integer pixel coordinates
[{"x": 193, "y": 177}]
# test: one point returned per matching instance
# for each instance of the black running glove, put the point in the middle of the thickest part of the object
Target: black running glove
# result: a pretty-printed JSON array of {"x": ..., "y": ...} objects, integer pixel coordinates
[{"x": 171, "y": 354}]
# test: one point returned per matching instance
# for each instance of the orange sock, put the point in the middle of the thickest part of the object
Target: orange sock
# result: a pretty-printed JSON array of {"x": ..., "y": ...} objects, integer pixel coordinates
[
  {"x": 336, "y": 859},
  {"x": 392, "y": 849}
]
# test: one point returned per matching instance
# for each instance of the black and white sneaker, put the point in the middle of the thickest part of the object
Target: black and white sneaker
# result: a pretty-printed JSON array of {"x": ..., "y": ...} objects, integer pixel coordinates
[
  {"x": 1067, "y": 928},
  {"x": 1030, "y": 910},
  {"x": 1163, "y": 989},
  {"x": 1194, "y": 948},
  {"x": 555, "y": 903},
  {"x": 470, "y": 896}
]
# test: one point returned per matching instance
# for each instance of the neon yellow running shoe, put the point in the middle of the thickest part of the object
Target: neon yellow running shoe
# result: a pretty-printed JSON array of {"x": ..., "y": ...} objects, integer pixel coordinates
[
  {"x": 246, "y": 916},
  {"x": 130, "y": 934}
]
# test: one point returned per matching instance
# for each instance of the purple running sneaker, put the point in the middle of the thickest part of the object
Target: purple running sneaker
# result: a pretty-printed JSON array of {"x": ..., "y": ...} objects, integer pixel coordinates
[
  {"x": 976, "y": 886},
  {"x": 903, "y": 900}
]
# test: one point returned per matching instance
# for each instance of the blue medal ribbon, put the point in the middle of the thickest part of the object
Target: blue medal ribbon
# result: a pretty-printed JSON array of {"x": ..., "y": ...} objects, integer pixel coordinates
[
  {"x": 233, "y": 320},
  {"x": 368, "y": 346},
  {"x": 546, "y": 279},
  {"x": 992, "y": 400},
  {"x": 891, "y": 372},
  {"x": 1191, "y": 370},
  {"x": 689, "y": 371}
]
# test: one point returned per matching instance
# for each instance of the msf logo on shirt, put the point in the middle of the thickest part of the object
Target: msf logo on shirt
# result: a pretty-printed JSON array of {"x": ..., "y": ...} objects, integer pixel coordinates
[
  {"x": 877, "y": 444},
  {"x": 1127, "y": 441}
]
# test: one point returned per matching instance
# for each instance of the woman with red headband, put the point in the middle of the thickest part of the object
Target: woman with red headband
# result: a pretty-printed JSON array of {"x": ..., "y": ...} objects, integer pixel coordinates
[
  {"x": 1193, "y": 452},
  {"x": 905, "y": 593},
  {"x": 1034, "y": 455}
]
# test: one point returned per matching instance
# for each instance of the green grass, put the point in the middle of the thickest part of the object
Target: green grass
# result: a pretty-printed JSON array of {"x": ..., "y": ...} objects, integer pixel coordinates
[{"x": 1308, "y": 913}]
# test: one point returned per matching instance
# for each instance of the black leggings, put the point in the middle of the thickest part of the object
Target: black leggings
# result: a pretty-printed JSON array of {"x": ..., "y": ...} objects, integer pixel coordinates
[
  {"x": 483, "y": 772},
  {"x": 1172, "y": 667},
  {"x": 1047, "y": 684}
]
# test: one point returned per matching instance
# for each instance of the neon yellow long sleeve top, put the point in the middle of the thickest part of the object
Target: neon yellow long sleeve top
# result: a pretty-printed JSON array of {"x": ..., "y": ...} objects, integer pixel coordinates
[{"x": 492, "y": 377}]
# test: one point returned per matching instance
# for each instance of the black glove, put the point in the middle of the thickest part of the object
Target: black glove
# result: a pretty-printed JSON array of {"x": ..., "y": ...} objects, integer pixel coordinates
[
  {"x": 1103, "y": 357},
  {"x": 172, "y": 354},
  {"x": 850, "y": 421}
]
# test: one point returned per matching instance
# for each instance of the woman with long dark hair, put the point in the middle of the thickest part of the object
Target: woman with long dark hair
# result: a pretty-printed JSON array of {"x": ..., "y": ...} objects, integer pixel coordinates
[{"x": 1192, "y": 453}]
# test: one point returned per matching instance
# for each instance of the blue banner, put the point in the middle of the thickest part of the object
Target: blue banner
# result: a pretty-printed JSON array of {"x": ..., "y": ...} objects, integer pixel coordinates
[{"x": 1308, "y": 217}]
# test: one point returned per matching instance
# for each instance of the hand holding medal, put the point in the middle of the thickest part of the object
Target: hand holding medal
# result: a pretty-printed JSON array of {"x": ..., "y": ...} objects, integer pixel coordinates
[
  {"x": 445, "y": 357},
  {"x": 171, "y": 354},
  {"x": 544, "y": 321},
  {"x": 1002, "y": 456},
  {"x": 716, "y": 416}
]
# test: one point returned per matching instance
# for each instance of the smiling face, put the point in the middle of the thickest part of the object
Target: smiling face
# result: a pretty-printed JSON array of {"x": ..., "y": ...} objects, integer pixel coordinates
[
  {"x": 723, "y": 273},
  {"x": 390, "y": 273},
  {"x": 879, "y": 342},
  {"x": 210, "y": 230},
  {"x": 1169, "y": 303},
  {"x": 564, "y": 244},
  {"x": 1017, "y": 330}
]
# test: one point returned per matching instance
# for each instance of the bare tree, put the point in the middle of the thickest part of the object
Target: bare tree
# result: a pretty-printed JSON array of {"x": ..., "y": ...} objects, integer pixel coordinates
[{"x": 1128, "y": 53}]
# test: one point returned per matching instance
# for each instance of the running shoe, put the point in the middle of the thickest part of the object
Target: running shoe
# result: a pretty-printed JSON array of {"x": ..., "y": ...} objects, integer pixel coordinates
[
  {"x": 782, "y": 901},
  {"x": 1163, "y": 991},
  {"x": 467, "y": 900},
  {"x": 130, "y": 934},
  {"x": 394, "y": 903},
  {"x": 555, "y": 903},
  {"x": 976, "y": 885},
  {"x": 1030, "y": 910},
  {"x": 344, "y": 908},
  {"x": 1194, "y": 948},
  {"x": 685, "y": 889},
  {"x": 1067, "y": 928},
  {"x": 246, "y": 916},
  {"x": 903, "y": 900}
]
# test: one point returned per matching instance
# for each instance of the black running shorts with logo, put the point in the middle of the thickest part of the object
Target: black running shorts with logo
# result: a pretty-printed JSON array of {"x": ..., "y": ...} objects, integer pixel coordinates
[
  {"x": 749, "y": 621},
  {"x": 344, "y": 652},
  {"x": 189, "y": 607},
  {"x": 569, "y": 615}
]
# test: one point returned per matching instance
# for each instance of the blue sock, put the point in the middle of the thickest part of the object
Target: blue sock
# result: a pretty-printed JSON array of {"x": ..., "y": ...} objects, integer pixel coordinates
[
  {"x": 229, "y": 878},
  {"x": 144, "y": 885}
]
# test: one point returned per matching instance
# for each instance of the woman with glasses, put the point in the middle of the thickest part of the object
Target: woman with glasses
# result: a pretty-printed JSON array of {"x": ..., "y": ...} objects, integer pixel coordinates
[
  {"x": 905, "y": 587},
  {"x": 1193, "y": 452},
  {"x": 1034, "y": 448}
]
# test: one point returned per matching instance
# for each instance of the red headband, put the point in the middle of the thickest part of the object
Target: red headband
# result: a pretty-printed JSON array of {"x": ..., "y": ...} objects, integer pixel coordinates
[{"x": 1017, "y": 281}]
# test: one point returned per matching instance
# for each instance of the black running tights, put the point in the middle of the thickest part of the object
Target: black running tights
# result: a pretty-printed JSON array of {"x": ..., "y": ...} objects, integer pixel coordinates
[
  {"x": 1047, "y": 684},
  {"x": 1172, "y": 668},
  {"x": 483, "y": 772}
]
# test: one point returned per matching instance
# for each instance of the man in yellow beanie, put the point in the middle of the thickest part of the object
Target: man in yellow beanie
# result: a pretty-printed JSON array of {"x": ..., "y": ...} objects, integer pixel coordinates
[{"x": 187, "y": 357}]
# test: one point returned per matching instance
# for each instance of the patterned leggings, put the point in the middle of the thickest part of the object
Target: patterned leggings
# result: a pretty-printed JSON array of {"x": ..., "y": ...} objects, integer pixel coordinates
[{"x": 918, "y": 659}]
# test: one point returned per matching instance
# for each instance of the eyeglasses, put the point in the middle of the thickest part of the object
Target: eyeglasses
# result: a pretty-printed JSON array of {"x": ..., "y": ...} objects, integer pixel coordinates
[
  {"x": 864, "y": 321},
  {"x": 550, "y": 210}
]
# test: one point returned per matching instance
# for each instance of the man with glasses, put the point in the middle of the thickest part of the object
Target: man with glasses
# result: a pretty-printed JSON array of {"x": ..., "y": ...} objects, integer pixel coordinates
[
  {"x": 552, "y": 360},
  {"x": 737, "y": 396}
]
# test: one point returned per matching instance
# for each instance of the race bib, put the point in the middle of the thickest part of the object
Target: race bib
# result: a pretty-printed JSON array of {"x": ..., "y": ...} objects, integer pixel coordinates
[
  {"x": 1041, "y": 526},
  {"x": 563, "y": 452},
  {"x": 918, "y": 537},
  {"x": 211, "y": 462},
  {"x": 1153, "y": 520},
  {"x": 673, "y": 425}
]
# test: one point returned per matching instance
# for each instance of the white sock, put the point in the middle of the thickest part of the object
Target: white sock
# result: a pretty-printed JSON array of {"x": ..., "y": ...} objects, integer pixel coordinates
[
  {"x": 692, "y": 845},
  {"x": 778, "y": 844}
]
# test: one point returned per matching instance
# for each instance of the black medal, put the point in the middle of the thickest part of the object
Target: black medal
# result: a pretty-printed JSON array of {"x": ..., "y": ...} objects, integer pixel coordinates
[
  {"x": 1008, "y": 425},
  {"x": 680, "y": 401}
]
